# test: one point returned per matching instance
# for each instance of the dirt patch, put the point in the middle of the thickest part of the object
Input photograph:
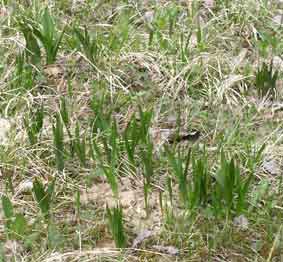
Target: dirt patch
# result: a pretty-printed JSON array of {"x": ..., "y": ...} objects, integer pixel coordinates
[{"x": 131, "y": 199}]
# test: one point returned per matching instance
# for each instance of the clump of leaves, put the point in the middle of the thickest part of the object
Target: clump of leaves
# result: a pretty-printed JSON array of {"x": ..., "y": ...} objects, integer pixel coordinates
[
  {"x": 131, "y": 139},
  {"x": 194, "y": 191},
  {"x": 33, "y": 124},
  {"x": 180, "y": 170},
  {"x": 147, "y": 161},
  {"x": 44, "y": 196},
  {"x": 46, "y": 33},
  {"x": 105, "y": 145},
  {"x": 32, "y": 50},
  {"x": 15, "y": 224},
  {"x": 24, "y": 73},
  {"x": 115, "y": 218},
  {"x": 110, "y": 152},
  {"x": 225, "y": 192},
  {"x": 201, "y": 183},
  {"x": 265, "y": 81},
  {"x": 135, "y": 134},
  {"x": 88, "y": 44},
  {"x": 146, "y": 152},
  {"x": 231, "y": 188},
  {"x": 120, "y": 33}
]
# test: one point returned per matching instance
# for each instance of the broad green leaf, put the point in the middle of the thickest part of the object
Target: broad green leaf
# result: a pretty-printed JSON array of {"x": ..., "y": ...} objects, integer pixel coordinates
[
  {"x": 48, "y": 26},
  {"x": 7, "y": 207},
  {"x": 55, "y": 238},
  {"x": 32, "y": 47},
  {"x": 19, "y": 225},
  {"x": 43, "y": 198}
]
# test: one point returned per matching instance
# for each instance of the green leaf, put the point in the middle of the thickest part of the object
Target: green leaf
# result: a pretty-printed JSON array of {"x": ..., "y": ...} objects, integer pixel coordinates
[
  {"x": 7, "y": 207},
  {"x": 50, "y": 189},
  {"x": 56, "y": 46},
  {"x": 111, "y": 179},
  {"x": 78, "y": 202},
  {"x": 40, "y": 196},
  {"x": 55, "y": 239},
  {"x": 2, "y": 253},
  {"x": 58, "y": 138},
  {"x": 89, "y": 45},
  {"x": 39, "y": 115},
  {"x": 19, "y": 225},
  {"x": 115, "y": 218},
  {"x": 48, "y": 26},
  {"x": 259, "y": 152},
  {"x": 79, "y": 145},
  {"x": 43, "y": 198},
  {"x": 64, "y": 112},
  {"x": 32, "y": 47}
]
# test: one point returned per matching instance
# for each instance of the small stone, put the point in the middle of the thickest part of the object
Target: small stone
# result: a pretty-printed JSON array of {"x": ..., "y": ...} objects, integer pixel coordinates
[
  {"x": 24, "y": 187},
  {"x": 277, "y": 63},
  {"x": 5, "y": 126},
  {"x": 208, "y": 4},
  {"x": 272, "y": 167},
  {"x": 141, "y": 237},
  {"x": 278, "y": 19},
  {"x": 148, "y": 16},
  {"x": 170, "y": 250},
  {"x": 241, "y": 222}
]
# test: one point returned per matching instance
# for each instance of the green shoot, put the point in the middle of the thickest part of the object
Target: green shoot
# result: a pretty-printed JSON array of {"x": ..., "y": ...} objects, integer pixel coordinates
[
  {"x": 115, "y": 219},
  {"x": 79, "y": 146},
  {"x": 33, "y": 125},
  {"x": 180, "y": 171},
  {"x": 43, "y": 197},
  {"x": 145, "y": 120},
  {"x": 120, "y": 33},
  {"x": 201, "y": 183},
  {"x": 32, "y": 50},
  {"x": 231, "y": 189},
  {"x": 7, "y": 207},
  {"x": 266, "y": 79},
  {"x": 58, "y": 139},
  {"x": 89, "y": 45},
  {"x": 49, "y": 36},
  {"x": 131, "y": 138},
  {"x": 111, "y": 150},
  {"x": 46, "y": 33},
  {"x": 16, "y": 225},
  {"x": 147, "y": 162}
]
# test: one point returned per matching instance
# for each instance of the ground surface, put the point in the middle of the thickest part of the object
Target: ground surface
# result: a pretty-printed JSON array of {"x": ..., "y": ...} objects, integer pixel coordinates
[{"x": 150, "y": 126}]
